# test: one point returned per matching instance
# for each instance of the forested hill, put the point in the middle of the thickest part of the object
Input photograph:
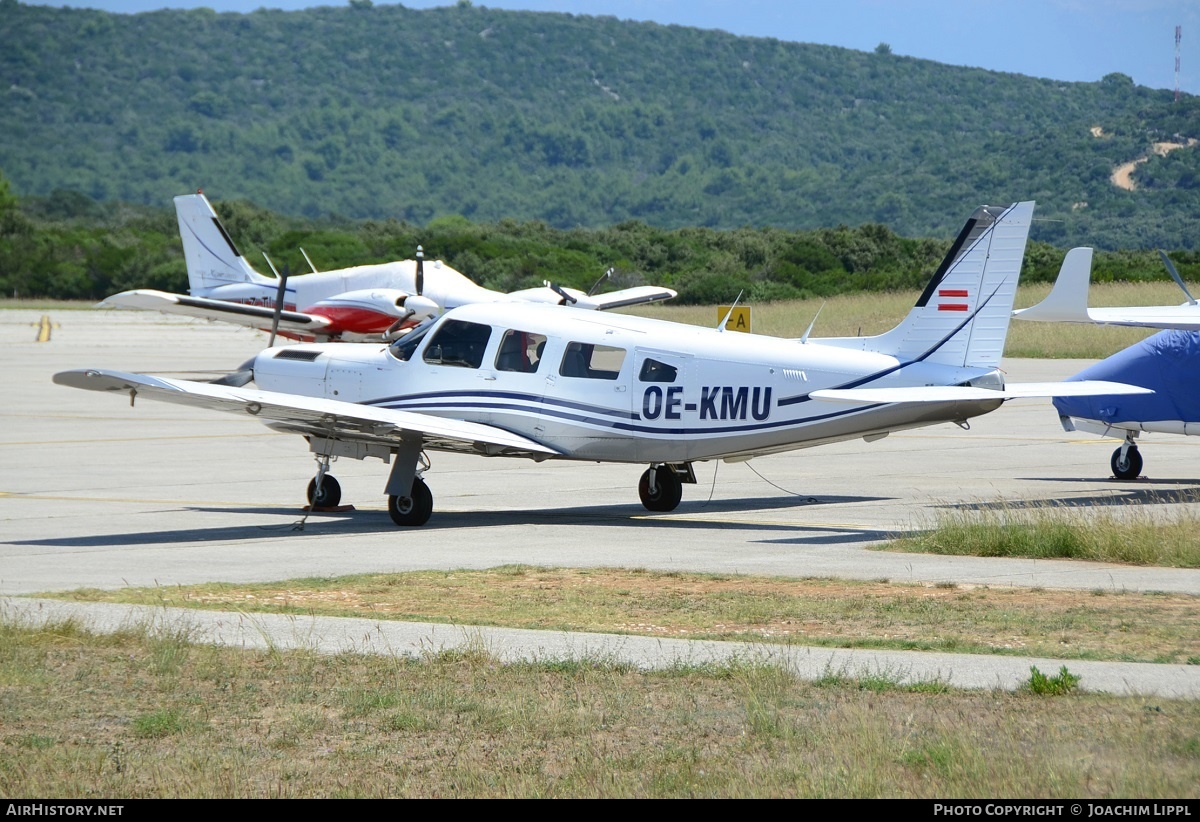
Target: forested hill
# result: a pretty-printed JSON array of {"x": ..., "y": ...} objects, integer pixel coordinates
[{"x": 382, "y": 111}]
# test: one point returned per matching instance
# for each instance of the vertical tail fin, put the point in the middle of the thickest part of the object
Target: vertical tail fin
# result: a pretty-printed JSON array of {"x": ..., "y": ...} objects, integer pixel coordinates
[
  {"x": 212, "y": 258},
  {"x": 961, "y": 318}
]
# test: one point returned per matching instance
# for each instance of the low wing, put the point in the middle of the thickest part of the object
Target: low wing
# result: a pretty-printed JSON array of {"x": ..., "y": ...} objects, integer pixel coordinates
[
  {"x": 333, "y": 419},
  {"x": 968, "y": 393},
  {"x": 253, "y": 316},
  {"x": 1067, "y": 303}
]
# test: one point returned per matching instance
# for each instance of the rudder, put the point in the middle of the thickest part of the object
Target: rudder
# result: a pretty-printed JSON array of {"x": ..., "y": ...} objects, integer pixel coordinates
[
  {"x": 212, "y": 258},
  {"x": 962, "y": 316}
]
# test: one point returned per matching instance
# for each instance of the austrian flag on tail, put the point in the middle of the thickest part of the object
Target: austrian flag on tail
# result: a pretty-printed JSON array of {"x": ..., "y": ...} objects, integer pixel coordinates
[{"x": 944, "y": 293}]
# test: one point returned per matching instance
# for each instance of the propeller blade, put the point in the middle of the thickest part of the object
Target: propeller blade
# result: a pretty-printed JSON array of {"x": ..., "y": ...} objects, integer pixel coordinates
[
  {"x": 236, "y": 379},
  {"x": 603, "y": 277},
  {"x": 279, "y": 296},
  {"x": 567, "y": 299},
  {"x": 1175, "y": 276},
  {"x": 307, "y": 260},
  {"x": 420, "y": 271}
]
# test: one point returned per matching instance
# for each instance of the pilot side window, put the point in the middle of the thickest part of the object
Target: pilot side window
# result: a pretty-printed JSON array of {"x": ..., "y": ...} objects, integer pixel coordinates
[
  {"x": 520, "y": 351},
  {"x": 655, "y": 371},
  {"x": 593, "y": 362},
  {"x": 403, "y": 348},
  {"x": 458, "y": 343}
]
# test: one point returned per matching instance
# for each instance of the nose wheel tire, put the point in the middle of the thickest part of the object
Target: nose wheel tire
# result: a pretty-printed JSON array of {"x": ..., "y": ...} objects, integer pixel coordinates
[
  {"x": 412, "y": 510},
  {"x": 667, "y": 493},
  {"x": 331, "y": 492},
  {"x": 1128, "y": 468}
]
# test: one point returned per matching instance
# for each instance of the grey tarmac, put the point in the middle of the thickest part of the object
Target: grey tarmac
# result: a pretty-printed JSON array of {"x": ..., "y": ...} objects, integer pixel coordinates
[{"x": 98, "y": 494}]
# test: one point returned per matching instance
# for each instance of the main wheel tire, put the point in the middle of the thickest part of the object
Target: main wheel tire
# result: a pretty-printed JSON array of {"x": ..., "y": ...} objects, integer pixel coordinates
[
  {"x": 1128, "y": 468},
  {"x": 667, "y": 493},
  {"x": 412, "y": 510},
  {"x": 331, "y": 492}
]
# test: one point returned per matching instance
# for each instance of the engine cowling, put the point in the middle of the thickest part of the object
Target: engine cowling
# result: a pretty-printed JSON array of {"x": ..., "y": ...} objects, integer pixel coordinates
[{"x": 374, "y": 310}]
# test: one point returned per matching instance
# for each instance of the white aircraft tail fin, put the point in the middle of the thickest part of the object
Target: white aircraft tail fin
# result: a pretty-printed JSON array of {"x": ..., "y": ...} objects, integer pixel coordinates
[
  {"x": 212, "y": 258},
  {"x": 1067, "y": 300},
  {"x": 961, "y": 318}
]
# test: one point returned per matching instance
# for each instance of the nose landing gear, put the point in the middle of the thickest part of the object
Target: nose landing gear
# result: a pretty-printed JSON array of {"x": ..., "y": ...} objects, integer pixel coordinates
[
  {"x": 324, "y": 491},
  {"x": 1126, "y": 461}
]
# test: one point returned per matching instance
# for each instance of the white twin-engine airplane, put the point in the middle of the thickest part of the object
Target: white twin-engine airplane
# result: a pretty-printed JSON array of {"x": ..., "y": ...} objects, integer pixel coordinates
[
  {"x": 543, "y": 383},
  {"x": 360, "y": 303}
]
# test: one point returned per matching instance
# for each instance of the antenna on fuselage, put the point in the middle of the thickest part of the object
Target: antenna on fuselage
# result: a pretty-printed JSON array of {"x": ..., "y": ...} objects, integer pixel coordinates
[
  {"x": 808, "y": 331},
  {"x": 725, "y": 321},
  {"x": 1175, "y": 276},
  {"x": 279, "y": 295}
]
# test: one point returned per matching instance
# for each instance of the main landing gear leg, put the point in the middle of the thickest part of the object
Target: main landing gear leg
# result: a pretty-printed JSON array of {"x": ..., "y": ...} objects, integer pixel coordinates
[
  {"x": 1126, "y": 460},
  {"x": 324, "y": 491},
  {"x": 410, "y": 501},
  {"x": 660, "y": 488}
]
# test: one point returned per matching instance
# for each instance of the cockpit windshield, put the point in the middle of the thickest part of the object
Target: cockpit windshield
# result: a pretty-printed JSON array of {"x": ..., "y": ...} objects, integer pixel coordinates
[{"x": 403, "y": 348}]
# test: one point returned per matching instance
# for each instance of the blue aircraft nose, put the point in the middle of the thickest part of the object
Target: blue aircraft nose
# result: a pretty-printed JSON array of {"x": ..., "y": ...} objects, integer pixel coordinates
[{"x": 1168, "y": 363}]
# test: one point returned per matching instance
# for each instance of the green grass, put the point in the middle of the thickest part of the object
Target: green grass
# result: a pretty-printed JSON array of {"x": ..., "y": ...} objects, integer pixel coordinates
[
  {"x": 1129, "y": 534},
  {"x": 1064, "y": 682}
]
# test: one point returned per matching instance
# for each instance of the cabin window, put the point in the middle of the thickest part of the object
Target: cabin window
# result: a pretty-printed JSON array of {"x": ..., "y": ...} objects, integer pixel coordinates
[
  {"x": 520, "y": 351},
  {"x": 458, "y": 343},
  {"x": 593, "y": 362},
  {"x": 403, "y": 348},
  {"x": 655, "y": 371}
]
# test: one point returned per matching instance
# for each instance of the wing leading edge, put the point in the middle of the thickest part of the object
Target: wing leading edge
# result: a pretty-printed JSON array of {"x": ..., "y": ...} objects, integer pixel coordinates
[
  {"x": 332, "y": 419},
  {"x": 252, "y": 316}
]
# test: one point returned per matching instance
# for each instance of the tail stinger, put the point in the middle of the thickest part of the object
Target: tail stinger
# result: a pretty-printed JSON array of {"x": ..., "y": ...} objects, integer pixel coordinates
[{"x": 212, "y": 258}]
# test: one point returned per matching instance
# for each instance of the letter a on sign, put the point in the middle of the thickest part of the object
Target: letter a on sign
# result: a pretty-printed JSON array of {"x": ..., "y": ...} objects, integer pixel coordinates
[{"x": 739, "y": 320}]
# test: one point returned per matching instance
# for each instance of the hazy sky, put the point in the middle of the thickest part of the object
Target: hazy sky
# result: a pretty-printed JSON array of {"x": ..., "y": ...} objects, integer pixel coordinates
[{"x": 1061, "y": 39}]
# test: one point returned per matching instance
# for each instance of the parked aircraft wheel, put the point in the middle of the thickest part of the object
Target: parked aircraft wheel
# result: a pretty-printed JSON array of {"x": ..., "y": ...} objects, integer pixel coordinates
[
  {"x": 412, "y": 510},
  {"x": 667, "y": 493},
  {"x": 331, "y": 492},
  {"x": 1128, "y": 468}
]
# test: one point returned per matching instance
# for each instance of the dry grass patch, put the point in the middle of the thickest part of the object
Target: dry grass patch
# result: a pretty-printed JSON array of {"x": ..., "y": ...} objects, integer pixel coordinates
[
  {"x": 104, "y": 718},
  {"x": 842, "y": 613}
]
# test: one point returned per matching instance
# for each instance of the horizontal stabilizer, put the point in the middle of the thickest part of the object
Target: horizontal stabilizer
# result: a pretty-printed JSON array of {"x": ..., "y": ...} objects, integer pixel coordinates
[
  {"x": 969, "y": 393},
  {"x": 253, "y": 316},
  {"x": 333, "y": 419}
]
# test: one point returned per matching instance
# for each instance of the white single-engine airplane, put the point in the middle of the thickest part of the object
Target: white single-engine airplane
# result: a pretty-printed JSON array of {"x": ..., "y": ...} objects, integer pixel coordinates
[
  {"x": 1168, "y": 363},
  {"x": 542, "y": 383},
  {"x": 349, "y": 304}
]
